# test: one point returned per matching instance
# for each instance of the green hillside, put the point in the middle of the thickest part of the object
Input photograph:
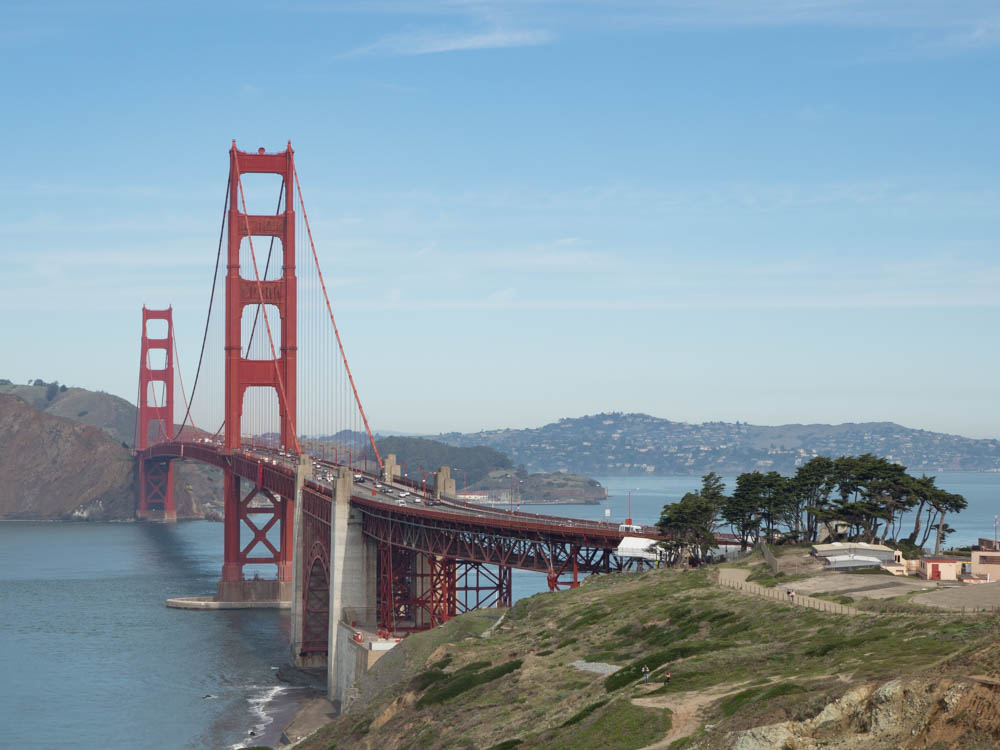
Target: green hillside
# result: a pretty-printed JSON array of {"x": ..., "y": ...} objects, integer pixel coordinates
[
  {"x": 737, "y": 661},
  {"x": 468, "y": 464}
]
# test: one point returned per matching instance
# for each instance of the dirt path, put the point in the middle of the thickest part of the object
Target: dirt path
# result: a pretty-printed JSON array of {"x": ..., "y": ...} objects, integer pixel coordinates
[{"x": 684, "y": 707}]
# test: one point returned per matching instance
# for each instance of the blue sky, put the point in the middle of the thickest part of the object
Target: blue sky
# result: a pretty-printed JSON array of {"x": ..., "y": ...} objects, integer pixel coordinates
[{"x": 766, "y": 211}]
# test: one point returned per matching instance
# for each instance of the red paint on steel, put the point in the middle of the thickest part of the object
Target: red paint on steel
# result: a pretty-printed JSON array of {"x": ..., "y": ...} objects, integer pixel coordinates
[
  {"x": 156, "y": 478},
  {"x": 279, "y": 373}
]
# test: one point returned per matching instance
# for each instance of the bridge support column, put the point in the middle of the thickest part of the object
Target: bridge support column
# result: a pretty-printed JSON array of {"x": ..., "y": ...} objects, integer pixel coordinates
[
  {"x": 297, "y": 585},
  {"x": 444, "y": 484},
  {"x": 155, "y": 420},
  {"x": 352, "y": 580},
  {"x": 259, "y": 512},
  {"x": 390, "y": 469},
  {"x": 156, "y": 490}
]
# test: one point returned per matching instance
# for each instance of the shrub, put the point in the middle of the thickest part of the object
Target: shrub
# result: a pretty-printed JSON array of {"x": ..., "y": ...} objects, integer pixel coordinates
[
  {"x": 460, "y": 682},
  {"x": 427, "y": 678},
  {"x": 584, "y": 713},
  {"x": 734, "y": 703},
  {"x": 782, "y": 688},
  {"x": 474, "y": 666}
]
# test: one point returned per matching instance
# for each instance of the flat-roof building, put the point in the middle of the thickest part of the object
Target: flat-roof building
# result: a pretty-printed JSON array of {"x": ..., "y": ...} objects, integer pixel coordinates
[{"x": 847, "y": 555}]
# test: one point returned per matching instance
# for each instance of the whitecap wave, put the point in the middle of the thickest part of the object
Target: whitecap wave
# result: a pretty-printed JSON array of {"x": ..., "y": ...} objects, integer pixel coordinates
[{"x": 259, "y": 703}]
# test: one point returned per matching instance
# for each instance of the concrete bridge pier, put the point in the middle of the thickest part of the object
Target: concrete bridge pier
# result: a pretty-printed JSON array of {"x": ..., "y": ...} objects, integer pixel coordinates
[
  {"x": 353, "y": 581},
  {"x": 390, "y": 469},
  {"x": 444, "y": 484}
]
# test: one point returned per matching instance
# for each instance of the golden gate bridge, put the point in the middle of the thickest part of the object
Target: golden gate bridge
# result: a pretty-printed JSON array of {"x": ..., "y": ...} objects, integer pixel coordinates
[{"x": 362, "y": 553}]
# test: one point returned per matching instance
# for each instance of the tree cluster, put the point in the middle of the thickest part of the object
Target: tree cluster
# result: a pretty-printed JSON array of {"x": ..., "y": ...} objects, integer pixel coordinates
[{"x": 853, "y": 498}]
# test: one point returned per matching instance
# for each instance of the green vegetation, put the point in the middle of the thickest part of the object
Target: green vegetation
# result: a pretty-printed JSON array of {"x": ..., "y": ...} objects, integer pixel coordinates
[
  {"x": 762, "y": 576},
  {"x": 620, "y": 725},
  {"x": 766, "y": 661},
  {"x": 468, "y": 465},
  {"x": 584, "y": 713},
  {"x": 833, "y": 597},
  {"x": 858, "y": 498},
  {"x": 465, "y": 679}
]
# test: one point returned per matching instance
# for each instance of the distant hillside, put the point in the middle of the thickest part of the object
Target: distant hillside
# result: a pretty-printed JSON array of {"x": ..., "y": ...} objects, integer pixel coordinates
[
  {"x": 616, "y": 443},
  {"x": 55, "y": 468},
  {"x": 114, "y": 415},
  {"x": 468, "y": 464},
  {"x": 197, "y": 487}
]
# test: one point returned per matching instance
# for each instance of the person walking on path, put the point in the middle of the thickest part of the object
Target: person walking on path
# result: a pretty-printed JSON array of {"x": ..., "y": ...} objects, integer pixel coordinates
[{"x": 645, "y": 675}]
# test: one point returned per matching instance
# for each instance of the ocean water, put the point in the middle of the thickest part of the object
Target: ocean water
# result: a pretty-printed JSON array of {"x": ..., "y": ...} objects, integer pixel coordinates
[{"x": 91, "y": 657}]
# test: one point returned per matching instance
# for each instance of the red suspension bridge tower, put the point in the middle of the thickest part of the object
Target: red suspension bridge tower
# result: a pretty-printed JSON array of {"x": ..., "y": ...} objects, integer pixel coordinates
[
  {"x": 259, "y": 509},
  {"x": 156, "y": 476}
]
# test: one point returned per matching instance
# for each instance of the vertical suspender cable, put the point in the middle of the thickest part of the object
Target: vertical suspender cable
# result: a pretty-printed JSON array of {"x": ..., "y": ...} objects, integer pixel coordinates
[{"x": 326, "y": 297}]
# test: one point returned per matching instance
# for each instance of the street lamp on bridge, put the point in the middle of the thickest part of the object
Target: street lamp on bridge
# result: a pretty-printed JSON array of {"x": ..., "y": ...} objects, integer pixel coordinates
[
  {"x": 424, "y": 480},
  {"x": 628, "y": 520}
]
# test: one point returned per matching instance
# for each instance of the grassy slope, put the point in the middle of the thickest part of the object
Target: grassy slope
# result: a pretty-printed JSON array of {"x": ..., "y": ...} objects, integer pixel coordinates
[{"x": 772, "y": 661}]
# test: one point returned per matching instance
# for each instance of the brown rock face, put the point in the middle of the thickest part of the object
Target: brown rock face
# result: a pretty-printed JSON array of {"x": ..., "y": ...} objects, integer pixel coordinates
[
  {"x": 34, "y": 444},
  {"x": 51, "y": 467}
]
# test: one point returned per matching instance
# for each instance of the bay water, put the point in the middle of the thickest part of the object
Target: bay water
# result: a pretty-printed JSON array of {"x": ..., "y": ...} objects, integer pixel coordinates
[{"x": 90, "y": 656}]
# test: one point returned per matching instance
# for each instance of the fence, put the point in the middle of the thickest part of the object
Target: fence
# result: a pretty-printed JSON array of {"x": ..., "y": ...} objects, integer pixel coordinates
[
  {"x": 734, "y": 580},
  {"x": 770, "y": 559}
]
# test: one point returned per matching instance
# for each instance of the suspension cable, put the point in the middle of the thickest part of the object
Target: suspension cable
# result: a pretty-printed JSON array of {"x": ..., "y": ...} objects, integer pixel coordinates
[
  {"x": 180, "y": 378},
  {"x": 208, "y": 318},
  {"x": 267, "y": 266},
  {"x": 329, "y": 309}
]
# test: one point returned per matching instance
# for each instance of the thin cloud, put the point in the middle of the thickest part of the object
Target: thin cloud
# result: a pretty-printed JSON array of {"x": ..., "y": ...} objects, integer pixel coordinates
[{"x": 430, "y": 43}]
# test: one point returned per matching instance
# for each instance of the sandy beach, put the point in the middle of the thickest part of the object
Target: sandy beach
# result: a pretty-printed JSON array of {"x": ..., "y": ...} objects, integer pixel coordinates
[{"x": 288, "y": 717}]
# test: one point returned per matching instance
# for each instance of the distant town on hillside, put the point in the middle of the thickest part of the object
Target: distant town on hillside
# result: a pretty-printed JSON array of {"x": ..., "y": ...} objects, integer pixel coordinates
[{"x": 638, "y": 444}]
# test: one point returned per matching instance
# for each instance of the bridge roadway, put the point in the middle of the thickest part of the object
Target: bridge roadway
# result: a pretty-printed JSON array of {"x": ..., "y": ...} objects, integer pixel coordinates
[{"x": 378, "y": 499}]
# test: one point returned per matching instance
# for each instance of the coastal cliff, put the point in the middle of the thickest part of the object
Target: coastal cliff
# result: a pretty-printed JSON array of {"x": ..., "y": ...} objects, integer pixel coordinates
[
  {"x": 52, "y": 467},
  {"x": 727, "y": 670},
  {"x": 67, "y": 455}
]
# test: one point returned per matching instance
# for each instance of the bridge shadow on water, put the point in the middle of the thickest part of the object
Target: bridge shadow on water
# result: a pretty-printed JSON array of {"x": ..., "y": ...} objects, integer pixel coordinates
[{"x": 189, "y": 550}]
